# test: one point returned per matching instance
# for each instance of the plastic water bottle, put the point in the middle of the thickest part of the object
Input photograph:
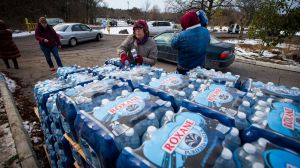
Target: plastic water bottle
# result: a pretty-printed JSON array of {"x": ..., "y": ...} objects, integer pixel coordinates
[
  {"x": 105, "y": 102},
  {"x": 260, "y": 96},
  {"x": 197, "y": 83},
  {"x": 148, "y": 134},
  {"x": 225, "y": 160},
  {"x": 167, "y": 118},
  {"x": 161, "y": 110},
  {"x": 260, "y": 106},
  {"x": 229, "y": 84},
  {"x": 245, "y": 108},
  {"x": 130, "y": 138},
  {"x": 241, "y": 121},
  {"x": 257, "y": 165},
  {"x": 194, "y": 95},
  {"x": 202, "y": 88},
  {"x": 257, "y": 118},
  {"x": 250, "y": 98},
  {"x": 179, "y": 98},
  {"x": 246, "y": 155},
  {"x": 148, "y": 77},
  {"x": 141, "y": 127},
  {"x": 188, "y": 90},
  {"x": 232, "y": 140},
  {"x": 134, "y": 53},
  {"x": 260, "y": 145}
]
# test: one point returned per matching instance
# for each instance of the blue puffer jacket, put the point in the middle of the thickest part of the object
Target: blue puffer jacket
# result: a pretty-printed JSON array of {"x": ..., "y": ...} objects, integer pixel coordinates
[{"x": 191, "y": 45}]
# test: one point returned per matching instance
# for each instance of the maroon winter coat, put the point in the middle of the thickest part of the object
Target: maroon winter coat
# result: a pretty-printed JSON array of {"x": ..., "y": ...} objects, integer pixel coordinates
[
  {"x": 49, "y": 33},
  {"x": 8, "y": 48}
]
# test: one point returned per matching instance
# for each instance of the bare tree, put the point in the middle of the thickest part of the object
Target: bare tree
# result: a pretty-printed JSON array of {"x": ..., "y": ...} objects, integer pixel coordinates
[
  {"x": 154, "y": 13},
  {"x": 147, "y": 6},
  {"x": 207, "y": 5},
  {"x": 248, "y": 9}
]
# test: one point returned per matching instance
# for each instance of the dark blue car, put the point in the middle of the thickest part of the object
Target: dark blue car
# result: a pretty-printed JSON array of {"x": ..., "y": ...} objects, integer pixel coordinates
[{"x": 219, "y": 54}]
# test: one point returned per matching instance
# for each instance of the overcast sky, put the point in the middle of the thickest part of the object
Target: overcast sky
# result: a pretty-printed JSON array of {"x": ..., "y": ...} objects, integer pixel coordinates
[{"x": 122, "y": 4}]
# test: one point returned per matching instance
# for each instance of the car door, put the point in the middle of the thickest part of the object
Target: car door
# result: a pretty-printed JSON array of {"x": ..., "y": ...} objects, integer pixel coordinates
[
  {"x": 165, "y": 51},
  {"x": 88, "y": 34},
  {"x": 77, "y": 32}
]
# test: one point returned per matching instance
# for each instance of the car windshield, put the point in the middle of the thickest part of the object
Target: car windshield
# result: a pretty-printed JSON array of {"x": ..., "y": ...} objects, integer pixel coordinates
[
  {"x": 60, "y": 28},
  {"x": 164, "y": 38}
]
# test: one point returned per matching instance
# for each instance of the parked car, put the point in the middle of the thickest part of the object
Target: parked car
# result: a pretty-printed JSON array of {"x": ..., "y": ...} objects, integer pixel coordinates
[
  {"x": 234, "y": 28},
  {"x": 113, "y": 23},
  {"x": 130, "y": 22},
  {"x": 54, "y": 21},
  {"x": 219, "y": 54},
  {"x": 156, "y": 27},
  {"x": 73, "y": 33}
]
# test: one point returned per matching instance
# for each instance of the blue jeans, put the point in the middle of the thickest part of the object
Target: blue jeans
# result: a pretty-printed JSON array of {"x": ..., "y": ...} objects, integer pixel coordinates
[{"x": 54, "y": 51}]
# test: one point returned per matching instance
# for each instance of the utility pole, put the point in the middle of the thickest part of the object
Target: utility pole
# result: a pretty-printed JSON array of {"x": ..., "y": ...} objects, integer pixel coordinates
[{"x": 128, "y": 5}]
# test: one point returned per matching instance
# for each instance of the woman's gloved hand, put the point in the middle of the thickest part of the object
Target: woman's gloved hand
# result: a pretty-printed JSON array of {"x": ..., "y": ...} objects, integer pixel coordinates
[
  {"x": 139, "y": 59},
  {"x": 124, "y": 57}
]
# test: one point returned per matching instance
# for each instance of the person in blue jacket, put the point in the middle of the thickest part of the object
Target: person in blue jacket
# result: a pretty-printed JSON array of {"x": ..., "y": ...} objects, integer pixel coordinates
[{"x": 191, "y": 43}]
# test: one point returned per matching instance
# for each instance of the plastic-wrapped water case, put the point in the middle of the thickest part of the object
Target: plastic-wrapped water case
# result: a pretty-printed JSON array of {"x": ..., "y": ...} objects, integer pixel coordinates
[
  {"x": 272, "y": 90},
  {"x": 103, "y": 71},
  {"x": 262, "y": 153},
  {"x": 217, "y": 76},
  {"x": 190, "y": 140},
  {"x": 218, "y": 102},
  {"x": 119, "y": 123},
  {"x": 86, "y": 98},
  {"x": 66, "y": 70},
  {"x": 137, "y": 75},
  {"x": 177, "y": 86},
  {"x": 80, "y": 78},
  {"x": 280, "y": 126}
]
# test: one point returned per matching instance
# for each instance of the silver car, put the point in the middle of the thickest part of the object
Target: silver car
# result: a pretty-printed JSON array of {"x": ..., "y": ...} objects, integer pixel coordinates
[{"x": 72, "y": 33}]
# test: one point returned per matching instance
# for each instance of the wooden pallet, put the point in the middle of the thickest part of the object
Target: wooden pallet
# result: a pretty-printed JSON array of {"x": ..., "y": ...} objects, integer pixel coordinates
[
  {"x": 76, "y": 146},
  {"x": 36, "y": 111}
]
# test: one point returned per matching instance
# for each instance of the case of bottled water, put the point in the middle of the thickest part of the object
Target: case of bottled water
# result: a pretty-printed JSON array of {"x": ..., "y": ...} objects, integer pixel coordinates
[
  {"x": 190, "y": 140},
  {"x": 80, "y": 78},
  {"x": 63, "y": 72},
  {"x": 217, "y": 76},
  {"x": 272, "y": 90},
  {"x": 262, "y": 153},
  {"x": 280, "y": 125},
  {"x": 86, "y": 98},
  {"x": 118, "y": 123},
  {"x": 218, "y": 102}
]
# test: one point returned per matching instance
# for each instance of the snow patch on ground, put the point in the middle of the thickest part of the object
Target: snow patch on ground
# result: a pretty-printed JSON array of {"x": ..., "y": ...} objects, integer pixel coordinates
[
  {"x": 248, "y": 54},
  {"x": 245, "y": 41},
  {"x": 11, "y": 84},
  {"x": 31, "y": 128},
  {"x": 23, "y": 34}
]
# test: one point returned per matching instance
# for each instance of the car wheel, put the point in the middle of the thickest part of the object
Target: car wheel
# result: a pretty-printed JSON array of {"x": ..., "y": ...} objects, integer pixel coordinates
[
  {"x": 98, "y": 37},
  {"x": 73, "y": 42}
]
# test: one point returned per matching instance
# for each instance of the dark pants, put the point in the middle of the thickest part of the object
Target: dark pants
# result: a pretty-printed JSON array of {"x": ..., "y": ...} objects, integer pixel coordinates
[
  {"x": 14, "y": 60},
  {"x": 54, "y": 51}
]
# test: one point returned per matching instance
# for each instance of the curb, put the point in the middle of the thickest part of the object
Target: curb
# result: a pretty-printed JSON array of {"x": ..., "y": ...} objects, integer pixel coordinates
[
  {"x": 268, "y": 64},
  {"x": 26, "y": 155}
]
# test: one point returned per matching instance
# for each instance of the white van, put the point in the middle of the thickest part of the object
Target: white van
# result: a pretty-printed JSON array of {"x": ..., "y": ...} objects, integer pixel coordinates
[{"x": 156, "y": 27}]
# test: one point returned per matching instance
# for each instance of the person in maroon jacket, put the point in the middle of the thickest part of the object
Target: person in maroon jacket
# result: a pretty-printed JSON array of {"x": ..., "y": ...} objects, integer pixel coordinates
[{"x": 49, "y": 42}]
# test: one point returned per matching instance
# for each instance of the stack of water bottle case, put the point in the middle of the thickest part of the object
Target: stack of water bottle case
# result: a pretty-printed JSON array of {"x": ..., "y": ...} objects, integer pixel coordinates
[{"x": 142, "y": 116}]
